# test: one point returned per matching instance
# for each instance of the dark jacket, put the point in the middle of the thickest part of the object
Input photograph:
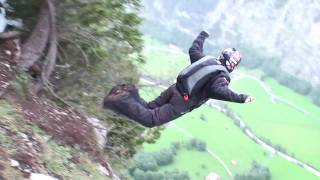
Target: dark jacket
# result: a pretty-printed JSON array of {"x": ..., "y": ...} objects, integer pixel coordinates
[
  {"x": 217, "y": 86},
  {"x": 170, "y": 104}
]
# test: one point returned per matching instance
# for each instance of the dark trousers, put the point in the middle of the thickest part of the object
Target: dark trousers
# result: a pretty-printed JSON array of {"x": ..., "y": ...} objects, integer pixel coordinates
[{"x": 167, "y": 107}]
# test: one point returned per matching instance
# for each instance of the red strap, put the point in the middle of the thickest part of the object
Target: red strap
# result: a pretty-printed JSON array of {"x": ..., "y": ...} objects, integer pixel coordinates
[{"x": 226, "y": 82}]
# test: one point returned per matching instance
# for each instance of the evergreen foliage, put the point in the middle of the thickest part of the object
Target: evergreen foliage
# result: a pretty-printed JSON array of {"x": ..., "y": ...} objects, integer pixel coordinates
[
  {"x": 198, "y": 144},
  {"x": 146, "y": 165},
  {"x": 257, "y": 172},
  {"x": 98, "y": 44},
  {"x": 164, "y": 157}
]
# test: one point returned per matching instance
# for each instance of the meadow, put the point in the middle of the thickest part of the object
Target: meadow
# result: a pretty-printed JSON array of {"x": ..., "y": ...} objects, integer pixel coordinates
[{"x": 281, "y": 122}]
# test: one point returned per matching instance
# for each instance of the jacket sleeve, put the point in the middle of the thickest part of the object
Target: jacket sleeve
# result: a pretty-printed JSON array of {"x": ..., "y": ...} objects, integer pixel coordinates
[
  {"x": 196, "y": 50},
  {"x": 219, "y": 90}
]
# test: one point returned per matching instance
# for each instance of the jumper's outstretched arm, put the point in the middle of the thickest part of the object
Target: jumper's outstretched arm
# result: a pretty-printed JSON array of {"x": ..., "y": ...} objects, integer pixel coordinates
[{"x": 196, "y": 50}]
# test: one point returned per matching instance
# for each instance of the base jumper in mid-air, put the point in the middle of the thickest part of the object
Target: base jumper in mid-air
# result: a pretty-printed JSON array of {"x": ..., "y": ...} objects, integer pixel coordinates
[{"x": 206, "y": 78}]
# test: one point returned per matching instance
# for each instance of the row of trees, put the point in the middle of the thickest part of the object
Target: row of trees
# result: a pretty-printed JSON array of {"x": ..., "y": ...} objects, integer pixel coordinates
[
  {"x": 167, "y": 175},
  {"x": 278, "y": 147},
  {"x": 197, "y": 144},
  {"x": 237, "y": 122},
  {"x": 145, "y": 166},
  {"x": 257, "y": 172},
  {"x": 193, "y": 144}
]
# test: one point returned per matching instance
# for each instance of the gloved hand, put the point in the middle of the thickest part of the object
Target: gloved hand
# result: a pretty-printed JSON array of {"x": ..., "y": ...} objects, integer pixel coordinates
[
  {"x": 249, "y": 99},
  {"x": 205, "y": 34}
]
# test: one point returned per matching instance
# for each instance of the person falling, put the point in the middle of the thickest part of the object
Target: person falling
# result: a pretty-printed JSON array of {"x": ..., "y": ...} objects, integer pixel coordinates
[{"x": 206, "y": 78}]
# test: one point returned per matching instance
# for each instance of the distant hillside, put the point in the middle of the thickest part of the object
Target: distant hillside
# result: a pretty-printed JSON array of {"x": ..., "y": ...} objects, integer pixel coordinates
[{"x": 287, "y": 30}]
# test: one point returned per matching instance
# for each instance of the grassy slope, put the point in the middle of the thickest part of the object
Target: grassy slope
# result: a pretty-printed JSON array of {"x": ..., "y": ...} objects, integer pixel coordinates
[{"x": 238, "y": 147}]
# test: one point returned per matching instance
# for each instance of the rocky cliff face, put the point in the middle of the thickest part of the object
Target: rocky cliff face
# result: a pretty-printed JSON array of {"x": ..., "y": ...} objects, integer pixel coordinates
[{"x": 286, "y": 29}]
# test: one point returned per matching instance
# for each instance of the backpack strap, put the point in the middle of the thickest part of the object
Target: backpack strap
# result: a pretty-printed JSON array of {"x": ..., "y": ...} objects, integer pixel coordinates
[{"x": 205, "y": 71}]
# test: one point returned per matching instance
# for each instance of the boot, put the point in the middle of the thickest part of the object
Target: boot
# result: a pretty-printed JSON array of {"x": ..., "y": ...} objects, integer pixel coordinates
[
  {"x": 129, "y": 88},
  {"x": 116, "y": 88},
  {"x": 132, "y": 89},
  {"x": 116, "y": 95}
]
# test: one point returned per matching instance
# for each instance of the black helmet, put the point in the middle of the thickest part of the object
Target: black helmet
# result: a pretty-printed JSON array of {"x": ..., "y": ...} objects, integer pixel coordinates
[{"x": 230, "y": 58}]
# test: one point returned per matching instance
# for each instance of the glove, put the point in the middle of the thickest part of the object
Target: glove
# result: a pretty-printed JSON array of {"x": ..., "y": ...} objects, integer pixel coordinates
[
  {"x": 249, "y": 99},
  {"x": 205, "y": 34}
]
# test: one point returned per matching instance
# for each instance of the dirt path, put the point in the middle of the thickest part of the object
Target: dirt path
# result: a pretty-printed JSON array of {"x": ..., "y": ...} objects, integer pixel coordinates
[{"x": 269, "y": 148}]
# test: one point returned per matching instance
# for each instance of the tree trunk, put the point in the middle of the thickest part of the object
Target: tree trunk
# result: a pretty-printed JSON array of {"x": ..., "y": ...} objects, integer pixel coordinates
[
  {"x": 33, "y": 48},
  {"x": 51, "y": 56}
]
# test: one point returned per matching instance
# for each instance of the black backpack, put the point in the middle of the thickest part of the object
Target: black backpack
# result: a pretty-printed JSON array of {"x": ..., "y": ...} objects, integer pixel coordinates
[{"x": 195, "y": 76}]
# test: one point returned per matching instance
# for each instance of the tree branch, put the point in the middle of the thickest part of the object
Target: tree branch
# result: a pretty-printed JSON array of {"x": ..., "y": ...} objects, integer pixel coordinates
[
  {"x": 51, "y": 57},
  {"x": 83, "y": 53},
  {"x": 9, "y": 35}
]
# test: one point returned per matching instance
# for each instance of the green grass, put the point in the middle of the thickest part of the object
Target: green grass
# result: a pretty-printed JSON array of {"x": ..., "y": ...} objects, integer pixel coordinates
[
  {"x": 294, "y": 97},
  {"x": 161, "y": 61},
  {"x": 297, "y": 132},
  {"x": 282, "y": 124},
  {"x": 282, "y": 170},
  {"x": 184, "y": 160},
  {"x": 222, "y": 137},
  {"x": 198, "y": 167}
]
